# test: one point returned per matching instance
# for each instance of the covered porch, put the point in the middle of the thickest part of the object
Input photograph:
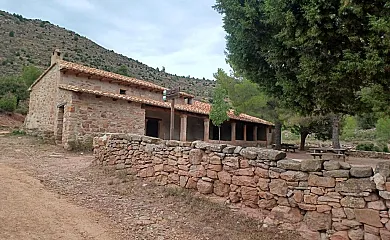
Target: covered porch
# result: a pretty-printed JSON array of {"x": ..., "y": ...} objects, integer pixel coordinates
[{"x": 192, "y": 127}]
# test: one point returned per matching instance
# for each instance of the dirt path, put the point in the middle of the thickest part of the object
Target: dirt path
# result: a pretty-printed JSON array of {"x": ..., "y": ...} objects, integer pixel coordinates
[
  {"x": 28, "y": 211},
  {"x": 48, "y": 193}
]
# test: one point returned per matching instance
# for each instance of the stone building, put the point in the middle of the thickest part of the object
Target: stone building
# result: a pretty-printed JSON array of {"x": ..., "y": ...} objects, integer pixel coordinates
[{"x": 71, "y": 104}]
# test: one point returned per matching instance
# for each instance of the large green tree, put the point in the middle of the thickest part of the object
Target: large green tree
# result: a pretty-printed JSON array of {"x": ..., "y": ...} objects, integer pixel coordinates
[{"x": 314, "y": 55}]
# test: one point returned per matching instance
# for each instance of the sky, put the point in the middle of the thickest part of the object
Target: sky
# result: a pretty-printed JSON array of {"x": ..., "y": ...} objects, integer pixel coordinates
[{"x": 184, "y": 36}]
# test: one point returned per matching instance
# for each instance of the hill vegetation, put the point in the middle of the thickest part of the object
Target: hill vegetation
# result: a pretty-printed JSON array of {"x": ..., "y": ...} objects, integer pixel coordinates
[{"x": 25, "y": 42}]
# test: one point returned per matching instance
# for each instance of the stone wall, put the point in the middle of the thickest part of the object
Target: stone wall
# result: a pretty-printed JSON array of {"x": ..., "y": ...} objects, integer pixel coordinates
[
  {"x": 369, "y": 154},
  {"x": 40, "y": 119},
  {"x": 91, "y": 116},
  {"x": 320, "y": 199}
]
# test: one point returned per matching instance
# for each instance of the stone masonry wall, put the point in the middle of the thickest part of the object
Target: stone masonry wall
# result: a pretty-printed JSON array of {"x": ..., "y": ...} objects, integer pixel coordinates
[
  {"x": 320, "y": 199},
  {"x": 40, "y": 119}
]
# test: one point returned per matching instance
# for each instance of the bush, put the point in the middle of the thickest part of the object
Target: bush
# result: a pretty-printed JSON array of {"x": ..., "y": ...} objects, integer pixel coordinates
[
  {"x": 12, "y": 34},
  {"x": 365, "y": 147},
  {"x": 383, "y": 129},
  {"x": 8, "y": 102},
  {"x": 18, "y": 132}
]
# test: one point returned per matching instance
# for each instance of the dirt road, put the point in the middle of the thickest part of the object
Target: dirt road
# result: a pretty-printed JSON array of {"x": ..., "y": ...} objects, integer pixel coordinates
[
  {"x": 29, "y": 211},
  {"x": 48, "y": 193}
]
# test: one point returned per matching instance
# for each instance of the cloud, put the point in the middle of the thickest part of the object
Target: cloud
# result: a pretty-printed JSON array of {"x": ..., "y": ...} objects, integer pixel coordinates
[{"x": 184, "y": 36}]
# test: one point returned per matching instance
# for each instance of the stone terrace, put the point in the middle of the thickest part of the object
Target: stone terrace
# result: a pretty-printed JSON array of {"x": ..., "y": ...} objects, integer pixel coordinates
[{"x": 322, "y": 199}]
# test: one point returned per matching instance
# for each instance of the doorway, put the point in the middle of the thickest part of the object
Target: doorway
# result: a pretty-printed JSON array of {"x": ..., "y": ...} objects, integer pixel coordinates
[
  {"x": 60, "y": 123},
  {"x": 152, "y": 127}
]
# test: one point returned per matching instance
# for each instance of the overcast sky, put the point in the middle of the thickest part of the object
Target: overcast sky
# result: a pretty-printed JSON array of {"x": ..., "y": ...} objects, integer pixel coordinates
[{"x": 185, "y": 36}]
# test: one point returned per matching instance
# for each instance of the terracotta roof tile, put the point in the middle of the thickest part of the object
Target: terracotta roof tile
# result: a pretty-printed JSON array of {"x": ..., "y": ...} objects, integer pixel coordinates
[
  {"x": 197, "y": 106},
  {"x": 64, "y": 65}
]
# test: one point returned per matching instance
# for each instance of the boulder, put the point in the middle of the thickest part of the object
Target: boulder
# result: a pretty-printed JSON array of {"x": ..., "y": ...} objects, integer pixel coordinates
[
  {"x": 195, "y": 156},
  {"x": 361, "y": 171},
  {"x": 278, "y": 187},
  {"x": 309, "y": 165},
  {"x": 368, "y": 216},
  {"x": 379, "y": 181},
  {"x": 318, "y": 221},
  {"x": 336, "y": 173},
  {"x": 248, "y": 153},
  {"x": 204, "y": 187},
  {"x": 384, "y": 194},
  {"x": 355, "y": 185},
  {"x": 221, "y": 189},
  {"x": 353, "y": 202},
  {"x": 383, "y": 168},
  {"x": 286, "y": 214},
  {"x": 229, "y": 149},
  {"x": 225, "y": 177},
  {"x": 317, "y": 181},
  {"x": 289, "y": 165},
  {"x": 345, "y": 165},
  {"x": 331, "y": 165}
]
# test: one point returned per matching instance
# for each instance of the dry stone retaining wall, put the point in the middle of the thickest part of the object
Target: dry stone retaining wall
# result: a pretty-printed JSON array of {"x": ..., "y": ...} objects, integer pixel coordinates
[{"x": 322, "y": 199}]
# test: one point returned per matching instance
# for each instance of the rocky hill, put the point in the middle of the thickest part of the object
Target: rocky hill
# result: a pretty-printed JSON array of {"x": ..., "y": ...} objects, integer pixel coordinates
[{"x": 30, "y": 42}]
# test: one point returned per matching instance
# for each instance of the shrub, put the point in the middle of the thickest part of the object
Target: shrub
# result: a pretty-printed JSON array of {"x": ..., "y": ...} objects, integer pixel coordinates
[
  {"x": 383, "y": 129},
  {"x": 18, "y": 132},
  {"x": 12, "y": 34},
  {"x": 386, "y": 148},
  {"x": 365, "y": 147},
  {"x": 8, "y": 102}
]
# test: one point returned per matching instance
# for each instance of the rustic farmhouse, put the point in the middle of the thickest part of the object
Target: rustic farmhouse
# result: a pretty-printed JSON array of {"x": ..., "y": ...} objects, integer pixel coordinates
[{"x": 71, "y": 103}]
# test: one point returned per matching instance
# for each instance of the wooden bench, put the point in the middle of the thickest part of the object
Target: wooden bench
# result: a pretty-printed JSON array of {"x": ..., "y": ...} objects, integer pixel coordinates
[
  {"x": 287, "y": 147},
  {"x": 338, "y": 155}
]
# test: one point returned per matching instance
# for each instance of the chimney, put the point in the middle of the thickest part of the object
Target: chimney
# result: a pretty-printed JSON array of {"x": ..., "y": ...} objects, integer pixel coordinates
[{"x": 56, "y": 56}]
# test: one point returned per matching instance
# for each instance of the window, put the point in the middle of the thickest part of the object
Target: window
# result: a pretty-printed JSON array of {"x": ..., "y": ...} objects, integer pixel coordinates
[{"x": 122, "y": 91}]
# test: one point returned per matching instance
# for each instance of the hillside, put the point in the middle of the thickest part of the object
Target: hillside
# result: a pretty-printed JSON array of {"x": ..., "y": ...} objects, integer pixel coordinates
[{"x": 30, "y": 42}]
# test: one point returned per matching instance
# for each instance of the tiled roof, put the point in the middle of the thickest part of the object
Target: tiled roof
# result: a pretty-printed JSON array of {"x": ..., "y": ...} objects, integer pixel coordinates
[
  {"x": 196, "y": 107},
  {"x": 64, "y": 65}
]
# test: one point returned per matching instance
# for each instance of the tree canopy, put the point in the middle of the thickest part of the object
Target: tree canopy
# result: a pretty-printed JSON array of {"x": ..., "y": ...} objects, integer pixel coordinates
[{"x": 314, "y": 55}]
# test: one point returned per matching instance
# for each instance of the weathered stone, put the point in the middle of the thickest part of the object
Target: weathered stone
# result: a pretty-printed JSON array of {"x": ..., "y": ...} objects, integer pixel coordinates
[
  {"x": 278, "y": 187},
  {"x": 355, "y": 185},
  {"x": 214, "y": 160},
  {"x": 385, "y": 235},
  {"x": 247, "y": 153},
  {"x": 212, "y": 174},
  {"x": 383, "y": 168},
  {"x": 234, "y": 197},
  {"x": 369, "y": 236},
  {"x": 229, "y": 149},
  {"x": 331, "y": 165},
  {"x": 262, "y": 183},
  {"x": 289, "y": 165},
  {"x": 263, "y": 173},
  {"x": 172, "y": 143},
  {"x": 368, "y": 216},
  {"x": 384, "y": 194},
  {"x": 345, "y": 165},
  {"x": 191, "y": 183},
  {"x": 146, "y": 172},
  {"x": 317, "y": 181},
  {"x": 317, "y": 190},
  {"x": 377, "y": 205},
  {"x": 336, "y": 173},
  {"x": 372, "y": 197},
  {"x": 338, "y": 213},
  {"x": 266, "y": 195},
  {"x": 379, "y": 181},
  {"x": 308, "y": 234},
  {"x": 224, "y": 177},
  {"x": 231, "y": 162},
  {"x": 307, "y": 207},
  {"x": 244, "y": 181},
  {"x": 195, "y": 156},
  {"x": 294, "y": 176},
  {"x": 356, "y": 234},
  {"x": 353, "y": 202},
  {"x": 286, "y": 214},
  {"x": 267, "y": 203},
  {"x": 204, "y": 187},
  {"x": 244, "y": 172},
  {"x": 221, "y": 189},
  {"x": 309, "y": 165},
  {"x": 340, "y": 235},
  {"x": 350, "y": 213},
  {"x": 323, "y": 208},
  {"x": 371, "y": 229},
  {"x": 270, "y": 154},
  {"x": 361, "y": 171},
  {"x": 213, "y": 167},
  {"x": 249, "y": 196},
  {"x": 318, "y": 221},
  {"x": 197, "y": 171},
  {"x": 183, "y": 181},
  {"x": 350, "y": 223},
  {"x": 310, "y": 199}
]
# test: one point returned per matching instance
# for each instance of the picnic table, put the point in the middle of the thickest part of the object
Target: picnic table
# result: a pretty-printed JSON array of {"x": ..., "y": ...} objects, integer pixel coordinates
[
  {"x": 336, "y": 152},
  {"x": 287, "y": 147}
]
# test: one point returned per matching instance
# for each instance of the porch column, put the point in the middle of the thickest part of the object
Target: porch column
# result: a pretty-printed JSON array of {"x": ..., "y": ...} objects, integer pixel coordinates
[
  {"x": 233, "y": 132},
  {"x": 183, "y": 128},
  {"x": 255, "y": 133},
  {"x": 146, "y": 125},
  {"x": 244, "y": 132},
  {"x": 206, "y": 131}
]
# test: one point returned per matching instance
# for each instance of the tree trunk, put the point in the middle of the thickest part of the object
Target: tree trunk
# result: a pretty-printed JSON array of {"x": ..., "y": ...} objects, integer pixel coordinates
[
  {"x": 278, "y": 135},
  {"x": 336, "y": 131},
  {"x": 303, "y": 140},
  {"x": 219, "y": 134}
]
